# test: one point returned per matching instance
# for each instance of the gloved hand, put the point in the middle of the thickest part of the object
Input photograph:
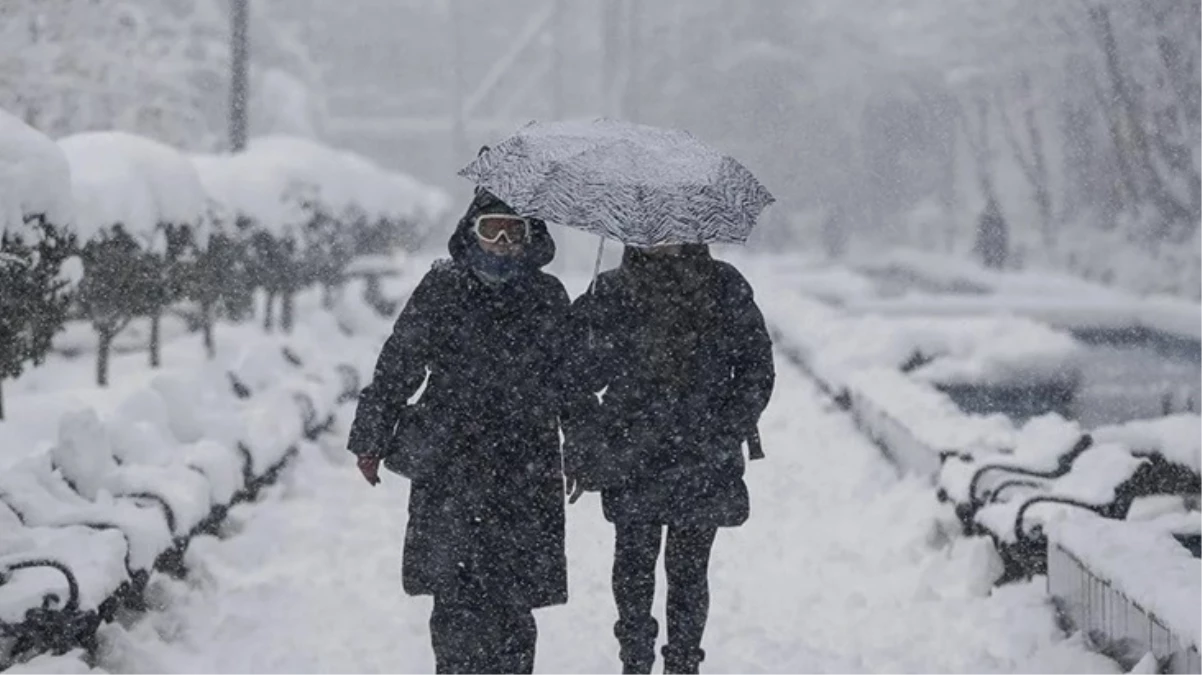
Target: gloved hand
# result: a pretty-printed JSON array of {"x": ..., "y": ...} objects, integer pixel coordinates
[
  {"x": 576, "y": 457},
  {"x": 369, "y": 466},
  {"x": 573, "y": 488}
]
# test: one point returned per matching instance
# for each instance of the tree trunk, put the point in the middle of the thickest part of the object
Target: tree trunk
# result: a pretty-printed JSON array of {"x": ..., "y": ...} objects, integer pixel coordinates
[
  {"x": 1, "y": 398},
  {"x": 155, "y": 323},
  {"x": 102, "y": 356},
  {"x": 286, "y": 312},
  {"x": 327, "y": 296},
  {"x": 1156, "y": 188},
  {"x": 268, "y": 315},
  {"x": 206, "y": 327},
  {"x": 371, "y": 289}
]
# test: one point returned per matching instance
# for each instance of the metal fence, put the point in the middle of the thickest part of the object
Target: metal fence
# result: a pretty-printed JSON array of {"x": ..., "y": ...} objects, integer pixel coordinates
[{"x": 1116, "y": 623}]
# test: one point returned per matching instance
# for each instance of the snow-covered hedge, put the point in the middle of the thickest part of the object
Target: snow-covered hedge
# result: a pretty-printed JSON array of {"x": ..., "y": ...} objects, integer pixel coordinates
[
  {"x": 95, "y": 497},
  {"x": 140, "y": 213},
  {"x": 303, "y": 211},
  {"x": 37, "y": 263},
  {"x": 154, "y": 229}
]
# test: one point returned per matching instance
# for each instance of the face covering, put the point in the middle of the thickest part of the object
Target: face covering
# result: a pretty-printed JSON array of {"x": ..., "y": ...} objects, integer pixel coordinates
[{"x": 493, "y": 269}]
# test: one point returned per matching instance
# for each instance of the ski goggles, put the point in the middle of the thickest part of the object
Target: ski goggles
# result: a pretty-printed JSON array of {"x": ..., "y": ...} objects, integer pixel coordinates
[{"x": 490, "y": 227}]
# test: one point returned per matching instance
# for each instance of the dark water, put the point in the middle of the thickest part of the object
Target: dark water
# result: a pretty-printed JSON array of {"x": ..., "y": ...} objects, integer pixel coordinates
[
  {"x": 1122, "y": 382},
  {"x": 1125, "y": 375}
]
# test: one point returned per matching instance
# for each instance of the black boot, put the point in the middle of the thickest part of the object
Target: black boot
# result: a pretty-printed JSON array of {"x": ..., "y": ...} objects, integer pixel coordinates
[
  {"x": 636, "y": 645},
  {"x": 683, "y": 660}
]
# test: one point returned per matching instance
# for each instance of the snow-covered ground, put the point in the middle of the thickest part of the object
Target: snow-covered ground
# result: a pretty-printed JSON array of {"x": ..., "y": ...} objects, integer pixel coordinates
[{"x": 844, "y": 566}]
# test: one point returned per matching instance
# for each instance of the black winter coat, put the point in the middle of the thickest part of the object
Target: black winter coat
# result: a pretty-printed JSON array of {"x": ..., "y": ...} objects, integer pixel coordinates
[
  {"x": 487, "y": 517},
  {"x": 685, "y": 361}
]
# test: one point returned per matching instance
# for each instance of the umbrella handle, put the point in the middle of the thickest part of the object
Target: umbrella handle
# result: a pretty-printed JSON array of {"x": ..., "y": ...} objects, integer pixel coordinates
[
  {"x": 593, "y": 284},
  {"x": 597, "y": 264}
]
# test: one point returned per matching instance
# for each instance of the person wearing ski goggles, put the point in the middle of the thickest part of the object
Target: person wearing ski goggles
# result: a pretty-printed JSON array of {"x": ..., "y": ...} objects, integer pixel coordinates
[{"x": 479, "y": 338}]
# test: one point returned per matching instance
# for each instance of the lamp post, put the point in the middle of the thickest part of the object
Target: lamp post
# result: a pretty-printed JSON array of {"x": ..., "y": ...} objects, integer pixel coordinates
[{"x": 239, "y": 83}]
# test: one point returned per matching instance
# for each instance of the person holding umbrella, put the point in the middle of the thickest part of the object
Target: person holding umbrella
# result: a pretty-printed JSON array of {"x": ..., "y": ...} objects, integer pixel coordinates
[
  {"x": 681, "y": 350},
  {"x": 481, "y": 445},
  {"x": 670, "y": 364}
]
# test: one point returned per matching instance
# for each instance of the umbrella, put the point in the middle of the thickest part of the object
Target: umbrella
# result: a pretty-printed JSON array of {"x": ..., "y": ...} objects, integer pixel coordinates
[{"x": 638, "y": 184}]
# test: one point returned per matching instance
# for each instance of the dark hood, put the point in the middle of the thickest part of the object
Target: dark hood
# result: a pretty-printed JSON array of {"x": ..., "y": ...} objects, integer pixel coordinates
[
  {"x": 633, "y": 257},
  {"x": 669, "y": 276},
  {"x": 539, "y": 251}
]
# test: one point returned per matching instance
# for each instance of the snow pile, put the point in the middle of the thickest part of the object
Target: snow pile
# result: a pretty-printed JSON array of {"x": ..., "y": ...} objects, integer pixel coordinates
[
  {"x": 952, "y": 272},
  {"x": 74, "y": 661},
  {"x": 1146, "y": 565},
  {"x": 835, "y": 285},
  {"x": 1052, "y": 298},
  {"x": 249, "y": 186},
  {"x": 169, "y": 181},
  {"x": 917, "y": 423},
  {"x": 1058, "y": 300},
  {"x": 271, "y": 180},
  {"x": 1178, "y": 438},
  {"x": 34, "y": 178},
  {"x": 1170, "y": 315},
  {"x": 991, "y": 351},
  {"x": 109, "y": 189},
  {"x": 1173, "y": 317},
  {"x": 831, "y": 283}
]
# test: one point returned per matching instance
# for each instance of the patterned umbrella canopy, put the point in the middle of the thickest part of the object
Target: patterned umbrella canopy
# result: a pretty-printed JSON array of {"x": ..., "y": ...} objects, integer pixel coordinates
[{"x": 637, "y": 184}]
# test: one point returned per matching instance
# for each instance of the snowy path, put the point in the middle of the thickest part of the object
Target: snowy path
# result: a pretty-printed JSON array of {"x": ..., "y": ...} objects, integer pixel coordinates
[{"x": 840, "y": 569}]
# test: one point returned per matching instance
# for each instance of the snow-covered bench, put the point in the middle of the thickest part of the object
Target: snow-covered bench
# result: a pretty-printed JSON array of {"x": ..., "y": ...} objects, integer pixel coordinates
[
  {"x": 83, "y": 524},
  {"x": 1042, "y": 449},
  {"x": 1106, "y": 477},
  {"x": 58, "y": 583}
]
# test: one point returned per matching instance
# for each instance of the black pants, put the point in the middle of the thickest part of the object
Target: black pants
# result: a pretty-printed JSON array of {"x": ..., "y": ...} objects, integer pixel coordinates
[
  {"x": 686, "y": 560},
  {"x": 482, "y": 637}
]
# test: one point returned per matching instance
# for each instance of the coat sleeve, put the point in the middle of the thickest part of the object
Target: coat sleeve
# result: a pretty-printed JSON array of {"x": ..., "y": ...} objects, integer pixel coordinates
[
  {"x": 753, "y": 374},
  {"x": 582, "y": 377},
  {"x": 400, "y": 370}
]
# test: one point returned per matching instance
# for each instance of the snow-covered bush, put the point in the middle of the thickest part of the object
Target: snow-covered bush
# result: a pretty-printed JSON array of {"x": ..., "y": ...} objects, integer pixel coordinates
[
  {"x": 304, "y": 211},
  {"x": 146, "y": 221},
  {"x": 35, "y": 244},
  {"x": 120, "y": 243},
  {"x": 215, "y": 277},
  {"x": 266, "y": 212}
]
